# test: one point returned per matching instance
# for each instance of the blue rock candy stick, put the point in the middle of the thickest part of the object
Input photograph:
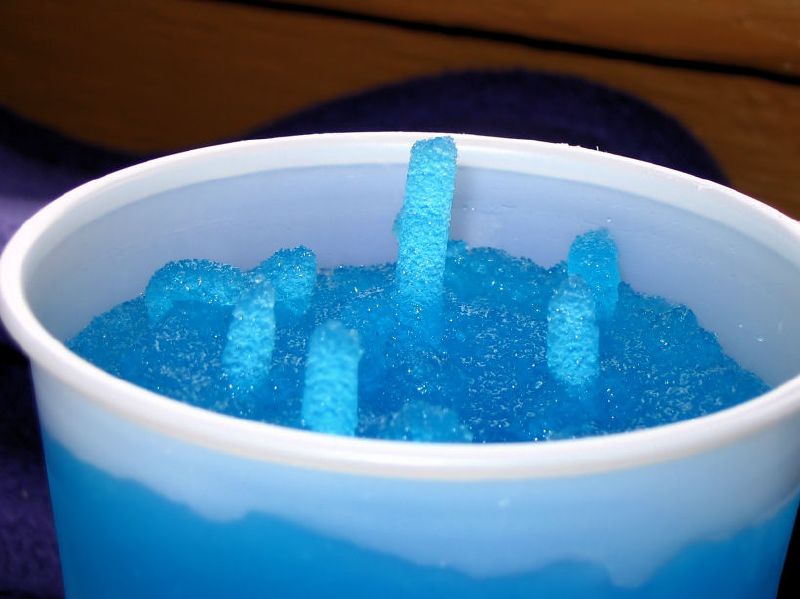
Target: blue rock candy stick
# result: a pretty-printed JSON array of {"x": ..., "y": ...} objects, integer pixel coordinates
[
  {"x": 423, "y": 225},
  {"x": 247, "y": 356},
  {"x": 330, "y": 397},
  {"x": 593, "y": 257},
  {"x": 573, "y": 339},
  {"x": 293, "y": 274},
  {"x": 191, "y": 280}
]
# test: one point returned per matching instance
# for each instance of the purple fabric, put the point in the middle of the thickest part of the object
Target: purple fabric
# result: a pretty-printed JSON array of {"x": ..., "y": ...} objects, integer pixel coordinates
[
  {"x": 37, "y": 165},
  {"x": 26, "y": 186},
  {"x": 28, "y": 556}
]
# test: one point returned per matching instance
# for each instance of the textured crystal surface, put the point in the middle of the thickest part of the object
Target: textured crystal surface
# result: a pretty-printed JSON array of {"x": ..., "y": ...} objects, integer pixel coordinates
[{"x": 490, "y": 377}]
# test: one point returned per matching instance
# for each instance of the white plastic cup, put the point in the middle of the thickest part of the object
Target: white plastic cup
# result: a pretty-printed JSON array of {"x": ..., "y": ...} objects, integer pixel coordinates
[{"x": 153, "y": 497}]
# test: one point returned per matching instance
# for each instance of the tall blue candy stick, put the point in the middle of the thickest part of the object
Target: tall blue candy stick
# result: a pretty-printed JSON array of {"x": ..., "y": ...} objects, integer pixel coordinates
[
  {"x": 423, "y": 225},
  {"x": 573, "y": 339},
  {"x": 593, "y": 257},
  {"x": 330, "y": 397},
  {"x": 191, "y": 280},
  {"x": 247, "y": 356},
  {"x": 293, "y": 274}
]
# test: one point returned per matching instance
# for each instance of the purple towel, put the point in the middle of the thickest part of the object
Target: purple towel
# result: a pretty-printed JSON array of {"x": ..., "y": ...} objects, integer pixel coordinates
[{"x": 37, "y": 165}]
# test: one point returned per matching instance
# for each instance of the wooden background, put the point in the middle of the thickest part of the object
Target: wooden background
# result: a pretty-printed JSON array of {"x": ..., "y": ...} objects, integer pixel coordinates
[{"x": 159, "y": 75}]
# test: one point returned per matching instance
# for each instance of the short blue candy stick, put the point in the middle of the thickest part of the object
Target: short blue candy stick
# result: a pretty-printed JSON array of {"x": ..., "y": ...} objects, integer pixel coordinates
[
  {"x": 573, "y": 339},
  {"x": 191, "y": 280},
  {"x": 593, "y": 256},
  {"x": 330, "y": 397},
  {"x": 247, "y": 356}
]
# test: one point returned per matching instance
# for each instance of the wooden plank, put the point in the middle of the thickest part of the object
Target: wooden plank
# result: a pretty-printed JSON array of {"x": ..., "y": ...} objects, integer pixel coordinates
[
  {"x": 154, "y": 76},
  {"x": 764, "y": 34}
]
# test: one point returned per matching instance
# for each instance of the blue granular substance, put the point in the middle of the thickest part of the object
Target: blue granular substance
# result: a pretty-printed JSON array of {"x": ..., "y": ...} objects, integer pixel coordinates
[
  {"x": 487, "y": 380},
  {"x": 450, "y": 344}
]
